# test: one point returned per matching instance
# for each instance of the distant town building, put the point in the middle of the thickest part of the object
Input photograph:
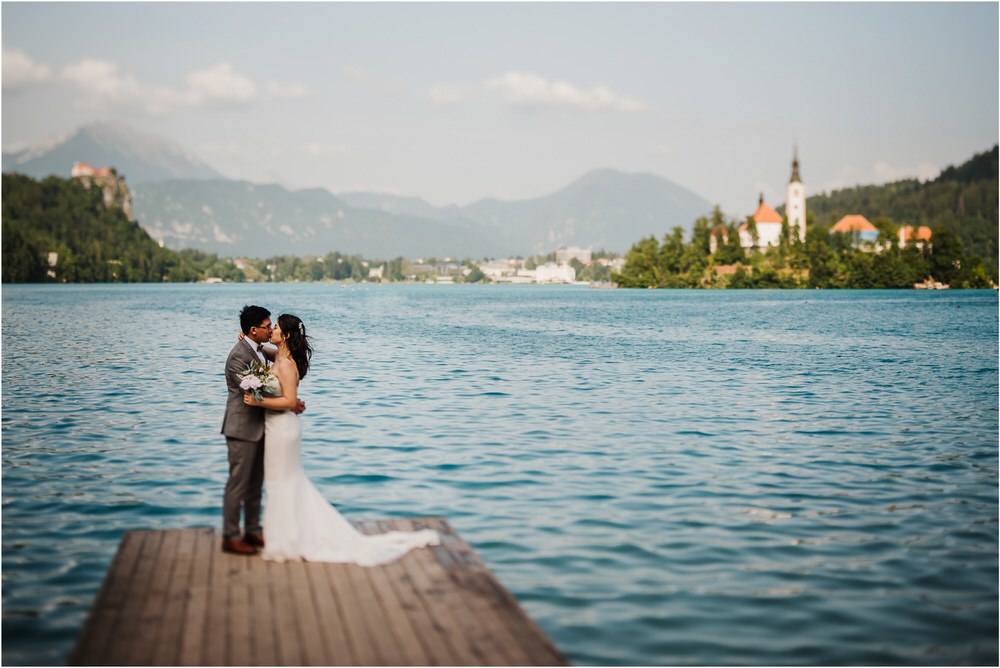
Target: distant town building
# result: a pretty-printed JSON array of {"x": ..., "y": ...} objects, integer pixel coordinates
[
  {"x": 918, "y": 235},
  {"x": 498, "y": 269},
  {"x": 567, "y": 253},
  {"x": 768, "y": 224},
  {"x": 615, "y": 264},
  {"x": 719, "y": 236},
  {"x": 861, "y": 230},
  {"x": 550, "y": 272}
]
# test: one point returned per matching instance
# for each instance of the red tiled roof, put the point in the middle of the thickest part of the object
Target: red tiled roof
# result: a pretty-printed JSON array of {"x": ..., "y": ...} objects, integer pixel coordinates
[
  {"x": 922, "y": 233},
  {"x": 765, "y": 214},
  {"x": 853, "y": 223}
]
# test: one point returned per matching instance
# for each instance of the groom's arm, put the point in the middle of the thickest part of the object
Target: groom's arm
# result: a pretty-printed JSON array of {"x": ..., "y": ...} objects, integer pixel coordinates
[{"x": 235, "y": 368}]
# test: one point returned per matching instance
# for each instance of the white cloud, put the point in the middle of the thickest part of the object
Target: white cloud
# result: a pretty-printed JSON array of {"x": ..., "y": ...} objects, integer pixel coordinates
[
  {"x": 221, "y": 84},
  {"x": 102, "y": 84},
  {"x": 290, "y": 90},
  {"x": 525, "y": 90},
  {"x": 20, "y": 71},
  {"x": 447, "y": 95}
]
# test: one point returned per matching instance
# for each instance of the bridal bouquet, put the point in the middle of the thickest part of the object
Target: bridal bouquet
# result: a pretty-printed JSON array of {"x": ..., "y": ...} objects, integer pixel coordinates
[{"x": 258, "y": 379}]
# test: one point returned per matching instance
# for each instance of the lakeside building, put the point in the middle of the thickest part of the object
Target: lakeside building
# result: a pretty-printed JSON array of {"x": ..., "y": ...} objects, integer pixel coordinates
[
  {"x": 719, "y": 236},
  {"x": 767, "y": 222},
  {"x": 567, "y": 253},
  {"x": 497, "y": 270},
  {"x": 864, "y": 235},
  {"x": 615, "y": 264},
  {"x": 920, "y": 235},
  {"x": 550, "y": 272}
]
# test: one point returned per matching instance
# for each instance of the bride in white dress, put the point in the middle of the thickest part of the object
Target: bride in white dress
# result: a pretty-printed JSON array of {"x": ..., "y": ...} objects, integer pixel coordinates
[{"x": 298, "y": 522}]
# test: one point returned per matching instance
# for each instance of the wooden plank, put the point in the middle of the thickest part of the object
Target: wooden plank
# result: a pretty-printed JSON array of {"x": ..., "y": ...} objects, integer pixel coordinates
[
  {"x": 465, "y": 636},
  {"x": 476, "y": 599},
  {"x": 196, "y": 610},
  {"x": 522, "y": 625},
  {"x": 375, "y": 637},
  {"x": 307, "y": 617},
  {"x": 127, "y": 626},
  {"x": 216, "y": 637},
  {"x": 262, "y": 621},
  {"x": 173, "y": 597},
  {"x": 465, "y": 598},
  {"x": 432, "y": 634},
  {"x": 337, "y": 647},
  {"x": 101, "y": 622},
  {"x": 394, "y": 610},
  {"x": 362, "y": 646},
  {"x": 526, "y": 643},
  {"x": 166, "y": 648},
  {"x": 289, "y": 646},
  {"x": 149, "y": 620},
  {"x": 240, "y": 650}
]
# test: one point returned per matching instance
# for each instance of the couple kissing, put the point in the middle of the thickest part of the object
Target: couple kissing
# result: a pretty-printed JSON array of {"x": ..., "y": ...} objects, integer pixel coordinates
[{"x": 263, "y": 433}]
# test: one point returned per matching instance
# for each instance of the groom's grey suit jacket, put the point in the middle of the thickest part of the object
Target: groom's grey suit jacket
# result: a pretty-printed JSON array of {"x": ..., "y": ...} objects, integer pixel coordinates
[{"x": 242, "y": 422}]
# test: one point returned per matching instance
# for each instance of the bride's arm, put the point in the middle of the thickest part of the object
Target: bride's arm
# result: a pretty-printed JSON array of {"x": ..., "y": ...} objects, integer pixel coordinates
[{"x": 288, "y": 376}]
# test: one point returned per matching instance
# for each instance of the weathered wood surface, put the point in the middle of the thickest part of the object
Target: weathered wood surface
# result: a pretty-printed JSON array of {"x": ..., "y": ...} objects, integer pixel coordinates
[{"x": 172, "y": 597}]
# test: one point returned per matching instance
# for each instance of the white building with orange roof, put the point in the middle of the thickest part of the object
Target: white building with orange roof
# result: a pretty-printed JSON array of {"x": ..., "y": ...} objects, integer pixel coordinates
[
  {"x": 87, "y": 169},
  {"x": 859, "y": 227},
  {"x": 768, "y": 224},
  {"x": 919, "y": 235}
]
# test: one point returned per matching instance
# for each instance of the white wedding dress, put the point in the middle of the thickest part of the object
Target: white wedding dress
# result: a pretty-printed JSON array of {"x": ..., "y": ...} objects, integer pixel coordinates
[{"x": 300, "y": 524}]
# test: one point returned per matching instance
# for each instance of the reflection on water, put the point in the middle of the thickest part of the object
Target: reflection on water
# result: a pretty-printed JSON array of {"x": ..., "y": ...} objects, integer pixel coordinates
[{"x": 661, "y": 477}]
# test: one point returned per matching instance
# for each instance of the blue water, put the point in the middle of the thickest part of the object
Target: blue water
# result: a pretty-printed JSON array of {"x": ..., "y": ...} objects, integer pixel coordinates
[{"x": 660, "y": 477}]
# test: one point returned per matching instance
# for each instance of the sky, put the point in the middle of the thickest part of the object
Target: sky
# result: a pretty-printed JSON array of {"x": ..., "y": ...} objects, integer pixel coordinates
[{"x": 454, "y": 102}]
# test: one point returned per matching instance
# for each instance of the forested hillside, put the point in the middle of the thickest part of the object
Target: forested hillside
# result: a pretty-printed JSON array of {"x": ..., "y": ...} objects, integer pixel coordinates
[
  {"x": 962, "y": 198},
  {"x": 93, "y": 243},
  {"x": 960, "y": 207}
]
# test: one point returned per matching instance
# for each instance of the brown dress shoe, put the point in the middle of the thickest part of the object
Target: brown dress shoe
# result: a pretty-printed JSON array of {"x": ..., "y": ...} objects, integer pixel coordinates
[
  {"x": 237, "y": 546},
  {"x": 255, "y": 539}
]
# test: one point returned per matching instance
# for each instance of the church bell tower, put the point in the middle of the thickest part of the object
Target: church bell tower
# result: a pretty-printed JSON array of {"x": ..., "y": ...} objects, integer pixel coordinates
[{"x": 795, "y": 205}]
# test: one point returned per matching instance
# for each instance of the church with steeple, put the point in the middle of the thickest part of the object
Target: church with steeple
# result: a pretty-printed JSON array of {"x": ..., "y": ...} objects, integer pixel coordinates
[
  {"x": 795, "y": 204},
  {"x": 766, "y": 228}
]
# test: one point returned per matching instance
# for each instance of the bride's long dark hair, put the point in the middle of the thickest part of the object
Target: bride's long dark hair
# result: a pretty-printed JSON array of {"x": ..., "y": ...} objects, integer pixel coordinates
[{"x": 296, "y": 340}]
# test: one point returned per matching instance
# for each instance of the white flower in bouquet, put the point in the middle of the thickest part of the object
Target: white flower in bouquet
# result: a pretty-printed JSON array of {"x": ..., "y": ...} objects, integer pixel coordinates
[{"x": 258, "y": 379}]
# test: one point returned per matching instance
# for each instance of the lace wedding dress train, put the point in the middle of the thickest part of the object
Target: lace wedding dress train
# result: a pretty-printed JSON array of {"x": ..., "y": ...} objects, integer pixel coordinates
[{"x": 300, "y": 524}]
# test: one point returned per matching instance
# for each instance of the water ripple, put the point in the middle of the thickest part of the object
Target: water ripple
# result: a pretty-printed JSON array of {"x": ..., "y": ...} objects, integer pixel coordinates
[{"x": 719, "y": 477}]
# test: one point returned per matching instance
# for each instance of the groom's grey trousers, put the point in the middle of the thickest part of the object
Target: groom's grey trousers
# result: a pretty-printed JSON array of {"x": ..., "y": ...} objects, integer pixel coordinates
[{"x": 243, "y": 489}]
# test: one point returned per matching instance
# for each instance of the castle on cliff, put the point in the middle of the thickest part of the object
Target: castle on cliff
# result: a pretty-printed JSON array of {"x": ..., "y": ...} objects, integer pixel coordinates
[{"x": 116, "y": 193}]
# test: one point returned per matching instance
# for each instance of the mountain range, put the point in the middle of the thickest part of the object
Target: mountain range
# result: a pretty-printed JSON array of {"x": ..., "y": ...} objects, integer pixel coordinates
[{"x": 185, "y": 203}]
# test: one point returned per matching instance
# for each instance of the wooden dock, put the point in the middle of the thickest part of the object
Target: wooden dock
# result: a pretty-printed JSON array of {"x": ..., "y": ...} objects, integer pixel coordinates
[{"x": 172, "y": 597}]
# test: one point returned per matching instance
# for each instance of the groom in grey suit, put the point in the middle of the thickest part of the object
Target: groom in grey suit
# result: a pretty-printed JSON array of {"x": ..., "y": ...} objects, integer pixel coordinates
[{"x": 243, "y": 427}]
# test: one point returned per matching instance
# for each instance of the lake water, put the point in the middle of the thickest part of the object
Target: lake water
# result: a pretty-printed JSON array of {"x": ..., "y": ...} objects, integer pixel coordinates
[{"x": 660, "y": 477}]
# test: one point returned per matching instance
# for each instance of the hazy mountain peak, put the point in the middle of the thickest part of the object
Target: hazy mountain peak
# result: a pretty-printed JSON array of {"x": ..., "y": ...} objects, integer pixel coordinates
[{"x": 139, "y": 156}]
